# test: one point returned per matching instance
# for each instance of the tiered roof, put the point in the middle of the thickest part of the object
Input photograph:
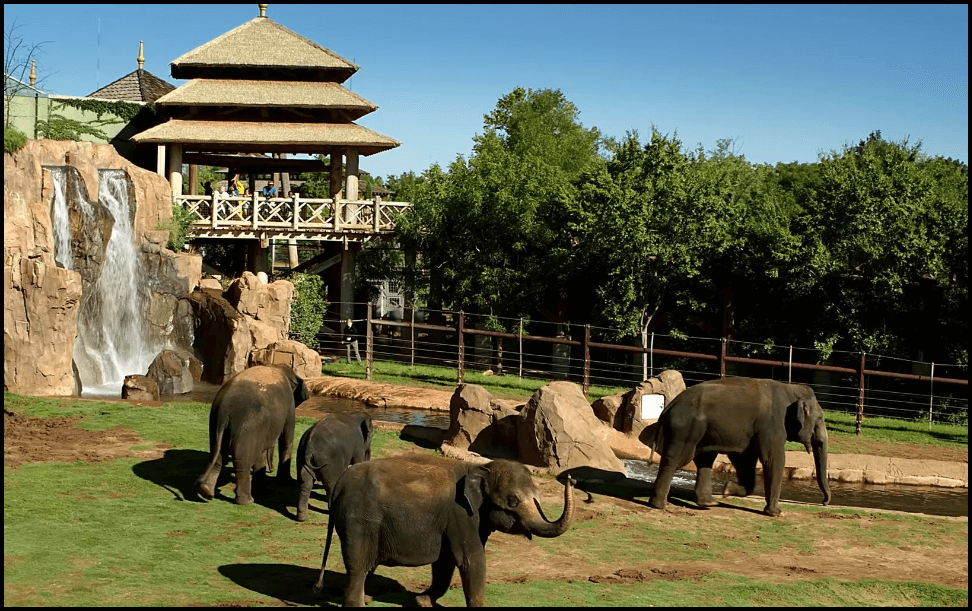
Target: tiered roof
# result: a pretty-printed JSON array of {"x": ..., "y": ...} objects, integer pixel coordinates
[
  {"x": 138, "y": 86},
  {"x": 262, "y": 88}
]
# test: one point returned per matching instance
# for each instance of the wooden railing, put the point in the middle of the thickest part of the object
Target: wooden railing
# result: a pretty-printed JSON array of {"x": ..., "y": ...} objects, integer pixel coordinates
[{"x": 305, "y": 218}]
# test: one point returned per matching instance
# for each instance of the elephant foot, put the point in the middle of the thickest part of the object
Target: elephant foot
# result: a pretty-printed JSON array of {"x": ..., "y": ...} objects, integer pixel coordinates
[
  {"x": 657, "y": 503},
  {"x": 733, "y": 489},
  {"x": 301, "y": 516},
  {"x": 244, "y": 500},
  {"x": 206, "y": 492},
  {"x": 772, "y": 511},
  {"x": 706, "y": 502},
  {"x": 424, "y": 600}
]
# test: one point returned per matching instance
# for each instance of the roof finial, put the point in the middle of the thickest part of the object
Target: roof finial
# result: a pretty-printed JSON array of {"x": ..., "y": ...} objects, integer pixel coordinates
[
  {"x": 141, "y": 56},
  {"x": 33, "y": 74},
  {"x": 263, "y": 10}
]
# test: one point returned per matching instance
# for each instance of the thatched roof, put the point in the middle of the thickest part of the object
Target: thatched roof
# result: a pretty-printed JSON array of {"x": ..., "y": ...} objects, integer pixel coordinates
[
  {"x": 245, "y": 136},
  {"x": 138, "y": 86},
  {"x": 263, "y": 43},
  {"x": 287, "y": 94}
]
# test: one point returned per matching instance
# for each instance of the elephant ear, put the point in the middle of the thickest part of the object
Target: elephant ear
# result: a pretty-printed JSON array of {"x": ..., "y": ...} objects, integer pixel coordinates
[
  {"x": 799, "y": 422},
  {"x": 300, "y": 392},
  {"x": 472, "y": 489}
]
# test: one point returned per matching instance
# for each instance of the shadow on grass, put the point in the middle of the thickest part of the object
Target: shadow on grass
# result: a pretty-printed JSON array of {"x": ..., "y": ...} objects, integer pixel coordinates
[
  {"x": 292, "y": 584},
  {"x": 176, "y": 472}
]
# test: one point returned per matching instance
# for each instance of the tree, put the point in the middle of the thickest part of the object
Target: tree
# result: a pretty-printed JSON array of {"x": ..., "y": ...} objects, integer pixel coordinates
[
  {"x": 490, "y": 229},
  {"x": 17, "y": 58}
]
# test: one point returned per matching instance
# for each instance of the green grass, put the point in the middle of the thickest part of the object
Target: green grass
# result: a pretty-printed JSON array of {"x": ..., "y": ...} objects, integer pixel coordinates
[{"x": 128, "y": 532}]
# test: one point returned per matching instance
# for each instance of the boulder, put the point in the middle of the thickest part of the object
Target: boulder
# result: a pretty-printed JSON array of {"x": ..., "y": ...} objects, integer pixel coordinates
[
  {"x": 175, "y": 371},
  {"x": 668, "y": 383},
  {"x": 267, "y": 303},
  {"x": 140, "y": 388},
  {"x": 558, "y": 429},
  {"x": 608, "y": 410},
  {"x": 305, "y": 362},
  {"x": 480, "y": 423},
  {"x": 211, "y": 284},
  {"x": 221, "y": 337}
]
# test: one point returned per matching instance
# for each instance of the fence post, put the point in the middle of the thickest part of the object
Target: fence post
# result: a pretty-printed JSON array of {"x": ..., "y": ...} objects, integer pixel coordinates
[
  {"x": 722, "y": 358},
  {"x": 369, "y": 346},
  {"x": 860, "y": 400},
  {"x": 462, "y": 347},
  {"x": 587, "y": 360},
  {"x": 651, "y": 353},
  {"x": 789, "y": 371},
  {"x": 412, "y": 329},
  {"x": 931, "y": 398},
  {"x": 521, "y": 347}
]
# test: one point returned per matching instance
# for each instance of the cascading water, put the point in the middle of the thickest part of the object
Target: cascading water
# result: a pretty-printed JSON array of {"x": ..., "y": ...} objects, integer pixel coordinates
[{"x": 112, "y": 332}]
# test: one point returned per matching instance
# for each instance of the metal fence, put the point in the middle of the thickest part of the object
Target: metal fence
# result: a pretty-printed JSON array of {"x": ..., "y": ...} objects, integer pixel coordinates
[{"x": 848, "y": 382}]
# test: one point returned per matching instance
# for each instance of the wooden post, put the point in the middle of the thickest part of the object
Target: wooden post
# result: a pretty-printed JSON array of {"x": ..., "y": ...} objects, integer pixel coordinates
[
  {"x": 412, "y": 329},
  {"x": 587, "y": 360},
  {"x": 214, "y": 207},
  {"x": 175, "y": 169},
  {"x": 931, "y": 395},
  {"x": 369, "y": 349},
  {"x": 860, "y": 400},
  {"x": 377, "y": 213},
  {"x": 462, "y": 347},
  {"x": 521, "y": 347},
  {"x": 295, "y": 220},
  {"x": 651, "y": 354},
  {"x": 256, "y": 215},
  {"x": 192, "y": 179}
]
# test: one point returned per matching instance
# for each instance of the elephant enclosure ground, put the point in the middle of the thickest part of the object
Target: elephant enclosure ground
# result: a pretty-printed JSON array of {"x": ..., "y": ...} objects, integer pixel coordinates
[{"x": 99, "y": 509}]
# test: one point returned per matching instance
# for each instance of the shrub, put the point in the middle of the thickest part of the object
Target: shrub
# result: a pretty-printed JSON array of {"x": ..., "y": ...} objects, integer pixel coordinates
[
  {"x": 307, "y": 311},
  {"x": 178, "y": 226},
  {"x": 13, "y": 139}
]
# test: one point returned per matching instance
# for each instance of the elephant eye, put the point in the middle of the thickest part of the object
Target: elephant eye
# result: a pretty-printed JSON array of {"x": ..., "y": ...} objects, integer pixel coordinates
[{"x": 512, "y": 501}]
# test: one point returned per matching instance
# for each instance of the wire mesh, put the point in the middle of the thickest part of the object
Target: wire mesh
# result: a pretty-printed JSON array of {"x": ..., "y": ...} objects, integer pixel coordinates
[{"x": 530, "y": 351}]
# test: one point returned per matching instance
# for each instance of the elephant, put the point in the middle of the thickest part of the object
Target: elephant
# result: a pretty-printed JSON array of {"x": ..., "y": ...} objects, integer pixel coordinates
[
  {"x": 327, "y": 449},
  {"x": 746, "y": 418},
  {"x": 251, "y": 412},
  {"x": 432, "y": 510}
]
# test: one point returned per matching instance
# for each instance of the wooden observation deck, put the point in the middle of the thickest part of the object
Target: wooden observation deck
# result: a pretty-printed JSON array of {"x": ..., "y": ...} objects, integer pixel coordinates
[{"x": 259, "y": 217}]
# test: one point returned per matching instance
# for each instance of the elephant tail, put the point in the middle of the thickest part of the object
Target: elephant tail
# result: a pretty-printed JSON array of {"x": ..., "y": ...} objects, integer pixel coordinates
[
  {"x": 319, "y": 586},
  {"x": 206, "y": 482}
]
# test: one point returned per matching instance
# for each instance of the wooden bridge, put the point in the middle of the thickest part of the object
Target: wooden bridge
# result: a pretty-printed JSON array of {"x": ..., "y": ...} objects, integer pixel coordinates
[{"x": 267, "y": 218}]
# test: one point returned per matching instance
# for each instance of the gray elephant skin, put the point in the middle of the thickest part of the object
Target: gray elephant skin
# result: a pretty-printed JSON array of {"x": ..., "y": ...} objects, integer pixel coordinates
[
  {"x": 253, "y": 411},
  {"x": 432, "y": 510},
  {"x": 326, "y": 449},
  {"x": 747, "y": 419}
]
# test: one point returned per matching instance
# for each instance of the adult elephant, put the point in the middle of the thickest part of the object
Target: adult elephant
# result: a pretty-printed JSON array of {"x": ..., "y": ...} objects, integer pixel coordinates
[
  {"x": 327, "y": 449},
  {"x": 251, "y": 412},
  {"x": 432, "y": 510},
  {"x": 748, "y": 419}
]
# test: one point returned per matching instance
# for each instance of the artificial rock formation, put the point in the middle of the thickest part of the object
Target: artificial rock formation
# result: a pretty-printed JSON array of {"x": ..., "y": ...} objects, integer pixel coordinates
[
  {"x": 480, "y": 423},
  {"x": 557, "y": 429},
  {"x": 623, "y": 410},
  {"x": 140, "y": 388},
  {"x": 265, "y": 306},
  {"x": 221, "y": 337},
  {"x": 305, "y": 362},
  {"x": 175, "y": 371}
]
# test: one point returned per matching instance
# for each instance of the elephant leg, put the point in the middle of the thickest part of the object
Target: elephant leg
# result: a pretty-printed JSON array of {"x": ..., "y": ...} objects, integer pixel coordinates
[
  {"x": 286, "y": 444},
  {"x": 442, "y": 571},
  {"x": 306, "y": 485},
  {"x": 703, "y": 480},
  {"x": 773, "y": 463},
  {"x": 354, "y": 593},
  {"x": 243, "y": 465},
  {"x": 663, "y": 482},
  {"x": 207, "y": 482},
  {"x": 745, "y": 465},
  {"x": 473, "y": 574}
]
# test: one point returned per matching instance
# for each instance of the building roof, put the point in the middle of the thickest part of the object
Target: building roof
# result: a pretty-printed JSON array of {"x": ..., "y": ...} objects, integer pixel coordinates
[
  {"x": 246, "y": 136},
  {"x": 15, "y": 86},
  {"x": 260, "y": 93},
  {"x": 138, "y": 86},
  {"x": 263, "y": 43}
]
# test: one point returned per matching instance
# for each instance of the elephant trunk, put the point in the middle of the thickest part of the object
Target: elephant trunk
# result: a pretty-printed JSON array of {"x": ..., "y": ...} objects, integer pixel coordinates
[
  {"x": 537, "y": 524},
  {"x": 819, "y": 443}
]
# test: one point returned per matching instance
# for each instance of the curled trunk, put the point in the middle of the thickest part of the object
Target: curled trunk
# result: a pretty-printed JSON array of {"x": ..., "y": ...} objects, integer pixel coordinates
[{"x": 537, "y": 524}]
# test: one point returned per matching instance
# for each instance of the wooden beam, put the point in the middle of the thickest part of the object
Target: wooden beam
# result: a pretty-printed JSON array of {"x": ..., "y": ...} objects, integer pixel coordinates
[{"x": 256, "y": 164}]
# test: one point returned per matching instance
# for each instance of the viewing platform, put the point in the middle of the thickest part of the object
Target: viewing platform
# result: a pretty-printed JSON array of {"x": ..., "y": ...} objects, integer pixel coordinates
[{"x": 259, "y": 217}]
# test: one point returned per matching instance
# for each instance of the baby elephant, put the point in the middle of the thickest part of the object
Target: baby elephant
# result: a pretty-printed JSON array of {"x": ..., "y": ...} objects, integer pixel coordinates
[{"x": 327, "y": 449}]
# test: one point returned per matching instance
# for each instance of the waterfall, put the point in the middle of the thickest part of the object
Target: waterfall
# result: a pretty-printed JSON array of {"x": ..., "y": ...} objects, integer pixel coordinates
[
  {"x": 112, "y": 332},
  {"x": 64, "y": 256}
]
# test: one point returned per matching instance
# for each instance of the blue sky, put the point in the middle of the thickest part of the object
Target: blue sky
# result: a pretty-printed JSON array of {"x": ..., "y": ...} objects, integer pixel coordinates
[{"x": 788, "y": 82}]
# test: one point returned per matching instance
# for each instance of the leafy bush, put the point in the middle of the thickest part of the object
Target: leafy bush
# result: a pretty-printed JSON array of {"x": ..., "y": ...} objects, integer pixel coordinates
[
  {"x": 307, "y": 311},
  {"x": 177, "y": 226},
  {"x": 13, "y": 139}
]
